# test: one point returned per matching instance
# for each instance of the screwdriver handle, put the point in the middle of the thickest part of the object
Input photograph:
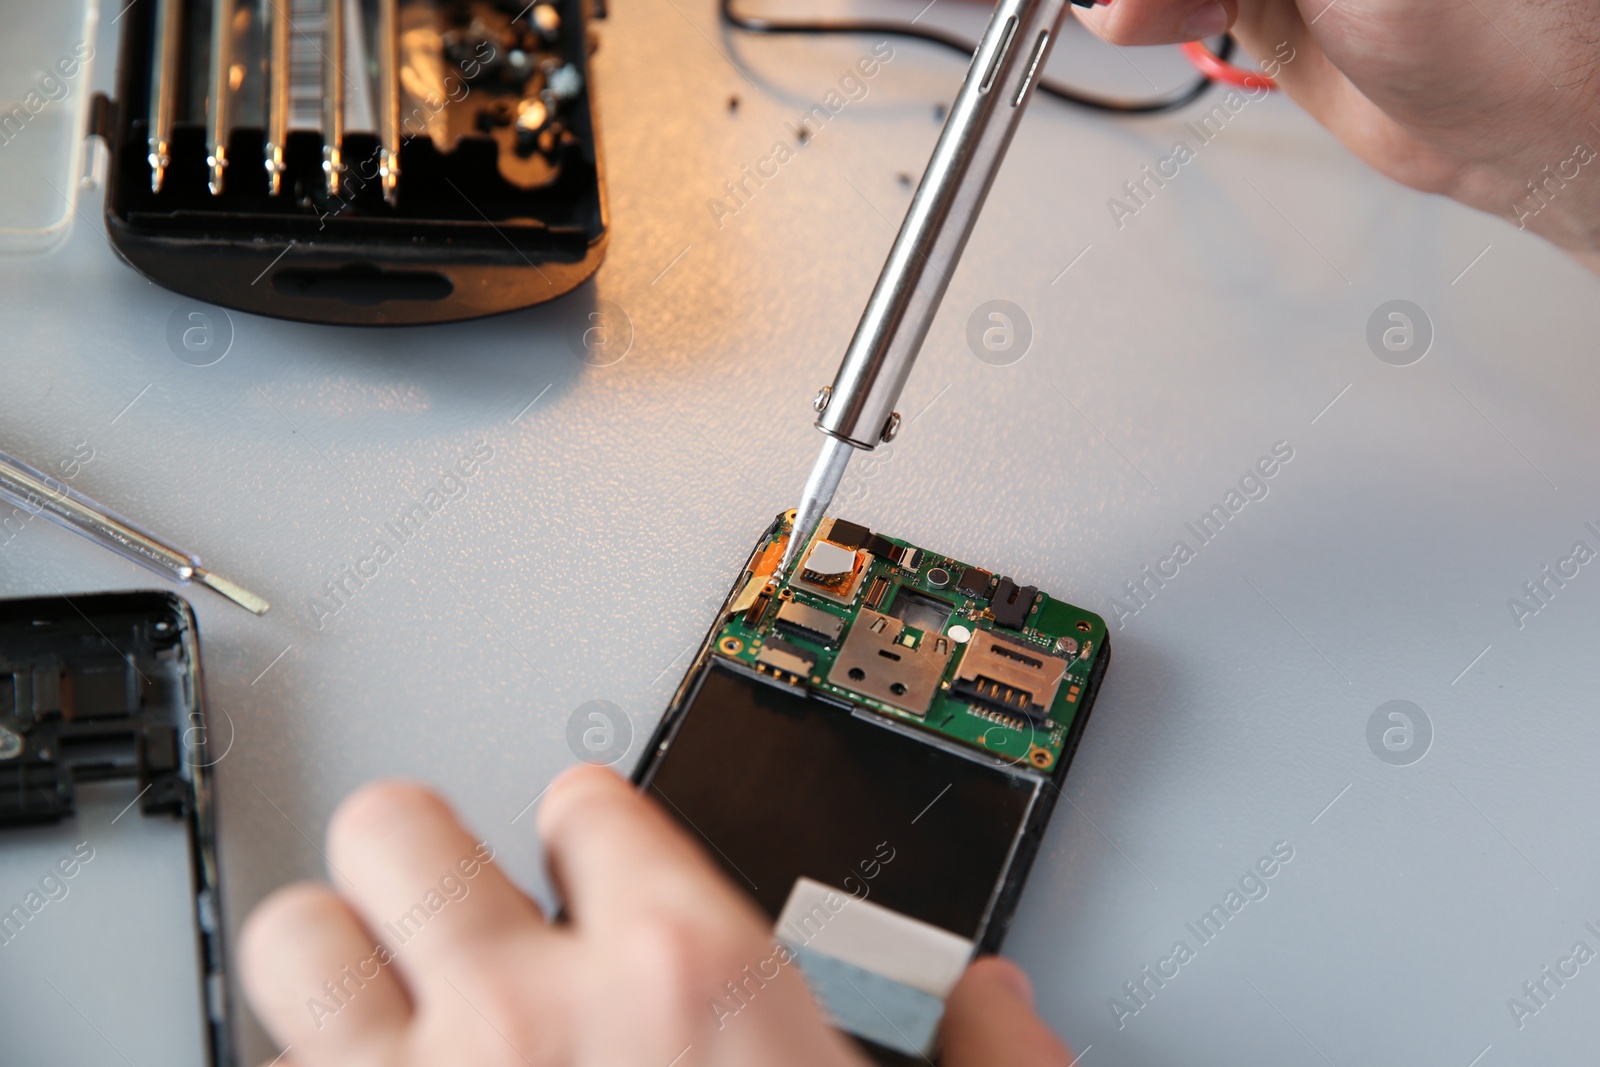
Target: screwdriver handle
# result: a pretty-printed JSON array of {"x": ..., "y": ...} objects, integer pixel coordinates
[
  {"x": 40, "y": 494},
  {"x": 859, "y": 408}
]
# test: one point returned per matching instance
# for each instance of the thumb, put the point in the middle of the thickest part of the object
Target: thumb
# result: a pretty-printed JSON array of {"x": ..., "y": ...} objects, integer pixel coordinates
[
  {"x": 1134, "y": 22},
  {"x": 989, "y": 1021}
]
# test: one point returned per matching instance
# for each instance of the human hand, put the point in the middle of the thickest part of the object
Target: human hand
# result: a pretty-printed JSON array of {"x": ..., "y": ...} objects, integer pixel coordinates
[
  {"x": 1492, "y": 104},
  {"x": 428, "y": 955}
]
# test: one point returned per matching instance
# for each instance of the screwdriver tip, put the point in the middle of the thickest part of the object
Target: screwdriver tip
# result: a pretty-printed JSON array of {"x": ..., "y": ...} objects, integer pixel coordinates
[
  {"x": 218, "y": 162},
  {"x": 814, "y": 501},
  {"x": 238, "y": 594}
]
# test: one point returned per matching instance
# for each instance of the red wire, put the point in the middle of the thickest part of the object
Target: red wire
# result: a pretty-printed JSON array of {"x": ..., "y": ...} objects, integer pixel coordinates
[{"x": 1208, "y": 64}]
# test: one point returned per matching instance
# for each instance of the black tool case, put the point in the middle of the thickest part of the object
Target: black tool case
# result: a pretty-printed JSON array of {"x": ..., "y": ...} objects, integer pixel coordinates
[{"x": 489, "y": 213}]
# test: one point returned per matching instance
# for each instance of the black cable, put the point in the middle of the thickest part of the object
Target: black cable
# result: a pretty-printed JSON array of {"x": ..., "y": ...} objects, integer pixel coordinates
[{"x": 1179, "y": 98}]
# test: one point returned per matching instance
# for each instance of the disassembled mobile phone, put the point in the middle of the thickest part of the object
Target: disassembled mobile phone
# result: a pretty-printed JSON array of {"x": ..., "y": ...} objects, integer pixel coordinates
[
  {"x": 101, "y": 708},
  {"x": 873, "y": 748}
]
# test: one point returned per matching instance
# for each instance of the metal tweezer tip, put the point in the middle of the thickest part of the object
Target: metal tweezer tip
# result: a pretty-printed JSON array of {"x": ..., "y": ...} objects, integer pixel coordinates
[{"x": 239, "y": 595}]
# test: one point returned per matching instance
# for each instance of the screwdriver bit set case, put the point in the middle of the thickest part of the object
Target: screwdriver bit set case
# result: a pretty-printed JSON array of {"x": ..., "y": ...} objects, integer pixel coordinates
[{"x": 367, "y": 162}]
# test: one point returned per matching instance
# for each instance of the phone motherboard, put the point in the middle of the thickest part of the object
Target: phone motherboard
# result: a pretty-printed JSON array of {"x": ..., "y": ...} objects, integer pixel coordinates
[{"x": 924, "y": 638}]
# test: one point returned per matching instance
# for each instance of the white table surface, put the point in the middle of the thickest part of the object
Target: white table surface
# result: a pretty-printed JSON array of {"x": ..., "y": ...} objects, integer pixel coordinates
[{"x": 584, "y": 560}]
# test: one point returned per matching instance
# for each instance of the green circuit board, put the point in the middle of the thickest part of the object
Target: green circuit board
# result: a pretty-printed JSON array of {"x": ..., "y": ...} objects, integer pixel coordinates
[{"x": 918, "y": 636}]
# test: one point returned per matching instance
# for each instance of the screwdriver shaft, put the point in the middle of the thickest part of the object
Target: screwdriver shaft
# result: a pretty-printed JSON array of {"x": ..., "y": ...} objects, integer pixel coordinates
[
  {"x": 388, "y": 49},
  {"x": 39, "y": 494},
  {"x": 217, "y": 114},
  {"x": 333, "y": 96},
  {"x": 277, "y": 92},
  {"x": 859, "y": 408},
  {"x": 164, "y": 87}
]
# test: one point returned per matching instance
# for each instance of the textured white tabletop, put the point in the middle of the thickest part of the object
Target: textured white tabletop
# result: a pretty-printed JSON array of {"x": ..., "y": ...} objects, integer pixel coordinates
[{"x": 1223, "y": 321}]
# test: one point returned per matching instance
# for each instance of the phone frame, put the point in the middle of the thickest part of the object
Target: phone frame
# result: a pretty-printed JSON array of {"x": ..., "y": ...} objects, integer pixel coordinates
[{"x": 1028, "y": 836}]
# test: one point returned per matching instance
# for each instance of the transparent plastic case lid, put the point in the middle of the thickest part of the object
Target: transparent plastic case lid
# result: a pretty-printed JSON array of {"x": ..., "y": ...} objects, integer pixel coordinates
[{"x": 46, "y": 52}]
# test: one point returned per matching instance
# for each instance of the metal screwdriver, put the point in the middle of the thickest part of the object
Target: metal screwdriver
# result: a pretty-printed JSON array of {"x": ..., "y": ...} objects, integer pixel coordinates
[
  {"x": 333, "y": 96},
  {"x": 388, "y": 50},
  {"x": 277, "y": 94},
  {"x": 40, "y": 494},
  {"x": 858, "y": 409},
  {"x": 219, "y": 111},
  {"x": 166, "y": 48}
]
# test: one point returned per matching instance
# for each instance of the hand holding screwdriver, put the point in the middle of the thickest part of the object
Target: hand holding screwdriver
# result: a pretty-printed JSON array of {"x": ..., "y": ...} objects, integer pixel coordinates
[{"x": 1490, "y": 104}]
